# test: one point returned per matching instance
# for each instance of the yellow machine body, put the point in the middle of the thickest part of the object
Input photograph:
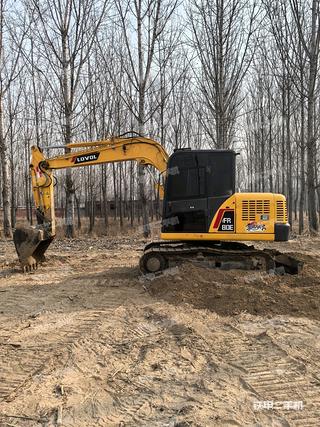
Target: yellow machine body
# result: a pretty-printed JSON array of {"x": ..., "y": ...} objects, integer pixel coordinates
[{"x": 255, "y": 216}]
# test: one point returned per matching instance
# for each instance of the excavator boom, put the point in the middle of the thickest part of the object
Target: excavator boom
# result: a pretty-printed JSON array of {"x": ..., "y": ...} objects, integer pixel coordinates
[{"x": 32, "y": 242}]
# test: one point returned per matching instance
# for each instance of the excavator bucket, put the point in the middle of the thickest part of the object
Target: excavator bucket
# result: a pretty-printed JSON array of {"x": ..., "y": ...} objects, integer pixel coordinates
[{"x": 30, "y": 245}]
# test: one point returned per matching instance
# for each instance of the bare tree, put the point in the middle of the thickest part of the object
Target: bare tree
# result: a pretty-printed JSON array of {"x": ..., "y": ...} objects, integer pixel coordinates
[
  {"x": 311, "y": 44},
  {"x": 10, "y": 68},
  {"x": 295, "y": 26},
  {"x": 142, "y": 22},
  {"x": 221, "y": 35},
  {"x": 65, "y": 32}
]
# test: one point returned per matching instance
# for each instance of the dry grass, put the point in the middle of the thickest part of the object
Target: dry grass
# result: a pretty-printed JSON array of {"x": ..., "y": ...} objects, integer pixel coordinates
[{"x": 100, "y": 229}]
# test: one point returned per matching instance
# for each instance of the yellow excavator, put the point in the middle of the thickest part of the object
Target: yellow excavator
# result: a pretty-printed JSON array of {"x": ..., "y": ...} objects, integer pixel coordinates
[{"x": 204, "y": 219}]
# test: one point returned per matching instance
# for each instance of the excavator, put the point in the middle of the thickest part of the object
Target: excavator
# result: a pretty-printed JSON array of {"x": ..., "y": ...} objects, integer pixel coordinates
[{"x": 204, "y": 219}]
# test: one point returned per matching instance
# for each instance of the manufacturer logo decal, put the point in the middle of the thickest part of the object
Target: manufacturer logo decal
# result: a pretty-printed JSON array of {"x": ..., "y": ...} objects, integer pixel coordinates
[
  {"x": 90, "y": 157},
  {"x": 255, "y": 227}
]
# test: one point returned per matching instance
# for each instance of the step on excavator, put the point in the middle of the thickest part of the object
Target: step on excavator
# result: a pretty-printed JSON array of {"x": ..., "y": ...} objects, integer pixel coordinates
[{"x": 204, "y": 220}]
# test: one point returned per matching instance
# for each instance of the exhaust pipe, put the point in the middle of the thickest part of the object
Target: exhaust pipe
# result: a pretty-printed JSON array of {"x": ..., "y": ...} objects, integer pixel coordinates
[{"x": 31, "y": 243}]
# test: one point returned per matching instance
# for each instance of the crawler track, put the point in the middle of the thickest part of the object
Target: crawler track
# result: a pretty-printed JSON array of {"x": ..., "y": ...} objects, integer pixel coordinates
[{"x": 160, "y": 255}]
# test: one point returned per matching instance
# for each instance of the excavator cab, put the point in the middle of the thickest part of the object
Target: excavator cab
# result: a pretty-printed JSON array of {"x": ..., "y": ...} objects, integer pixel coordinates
[{"x": 198, "y": 183}]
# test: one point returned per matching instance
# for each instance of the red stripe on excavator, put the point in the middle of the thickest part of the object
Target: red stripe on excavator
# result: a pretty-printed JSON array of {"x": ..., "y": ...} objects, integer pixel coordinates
[{"x": 218, "y": 219}]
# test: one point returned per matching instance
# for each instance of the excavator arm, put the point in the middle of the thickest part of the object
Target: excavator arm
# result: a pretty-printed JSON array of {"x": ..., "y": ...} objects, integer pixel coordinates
[{"x": 32, "y": 242}]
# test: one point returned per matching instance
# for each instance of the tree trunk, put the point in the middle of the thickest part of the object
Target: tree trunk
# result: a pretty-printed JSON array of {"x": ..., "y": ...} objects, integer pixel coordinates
[
  {"x": 13, "y": 181},
  {"x": 270, "y": 144},
  {"x": 311, "y": 160},
  {"x": 302, "y": 166},
  {"x": 78, "y": 212},
  {"x": 131, "y": 194},
  {"x": 92, "y": 211},
  {"x": 69, "y": 220},
  {"x": 4, "y": 158},
  {"x": 120, "y": 196},
  {"x": 104, "y": 196},
  {"x": 283, "y": 142},
  {"x": 7, "y": 231},
  {"x": 289, "y": 159},
  {"x": 115, "y": 194},
  {"x": 141, "y": 170},
  {"x": 311, "y": 137}
]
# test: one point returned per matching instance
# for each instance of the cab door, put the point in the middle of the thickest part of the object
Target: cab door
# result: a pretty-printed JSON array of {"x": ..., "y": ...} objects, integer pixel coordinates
[{"x": 185, "y": 205}]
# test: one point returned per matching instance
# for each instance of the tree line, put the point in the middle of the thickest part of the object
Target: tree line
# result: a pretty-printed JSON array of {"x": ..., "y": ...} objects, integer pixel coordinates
[{"x": 239, "y": 74}]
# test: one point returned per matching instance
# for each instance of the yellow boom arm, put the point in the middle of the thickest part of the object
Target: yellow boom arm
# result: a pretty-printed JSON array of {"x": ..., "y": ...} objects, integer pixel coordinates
[
  {"x": 143, "y": 150},
  {"x": 31, "y": 242}
]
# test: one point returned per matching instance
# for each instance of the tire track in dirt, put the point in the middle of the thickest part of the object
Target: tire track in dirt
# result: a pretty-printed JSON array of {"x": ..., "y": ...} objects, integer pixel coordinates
[
  {"x": 168, "y": 371},
  {"x": 276, "y": 377},
  {"x": 20, "y": 358},
  {"x": 267, "y": 370},
  {"x": 56, "y": 333},
  {"x": 300, "y": 340},
  {"x": 19, "y": 363}
]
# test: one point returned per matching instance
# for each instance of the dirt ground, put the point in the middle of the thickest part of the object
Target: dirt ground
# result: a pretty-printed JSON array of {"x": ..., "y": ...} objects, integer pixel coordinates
[{"x": 85, "y": 341}]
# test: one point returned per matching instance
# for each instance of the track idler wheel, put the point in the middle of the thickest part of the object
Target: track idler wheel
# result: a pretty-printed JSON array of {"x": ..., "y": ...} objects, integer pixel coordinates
[{"x": 152, "y": 263}]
